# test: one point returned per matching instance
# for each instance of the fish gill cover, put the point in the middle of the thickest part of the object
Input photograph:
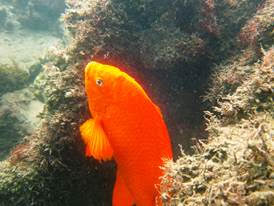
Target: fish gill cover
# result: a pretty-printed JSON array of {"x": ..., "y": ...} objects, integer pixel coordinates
[{"x": 192, "y": 57}]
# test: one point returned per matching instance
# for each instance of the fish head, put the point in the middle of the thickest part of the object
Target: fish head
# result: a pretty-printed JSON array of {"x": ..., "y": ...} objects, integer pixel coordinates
[{"x": 101, "y": 85}]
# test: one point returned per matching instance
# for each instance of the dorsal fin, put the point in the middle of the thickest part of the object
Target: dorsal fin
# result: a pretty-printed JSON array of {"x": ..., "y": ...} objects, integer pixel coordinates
[{"x": 96, "y": 141}]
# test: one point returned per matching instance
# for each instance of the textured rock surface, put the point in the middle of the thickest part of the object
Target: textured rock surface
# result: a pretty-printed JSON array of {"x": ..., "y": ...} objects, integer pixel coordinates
[
  {"x": 18, "y": 118},
  {"x": 12, "y": 77},
  {"x": 236, "y": 165}
]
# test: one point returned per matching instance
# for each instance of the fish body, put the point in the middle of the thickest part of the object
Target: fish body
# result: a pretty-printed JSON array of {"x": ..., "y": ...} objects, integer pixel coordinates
[{"x": 129, "y": 127}]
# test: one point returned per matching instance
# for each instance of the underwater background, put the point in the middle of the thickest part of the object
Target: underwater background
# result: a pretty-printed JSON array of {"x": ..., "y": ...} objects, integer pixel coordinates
[{"x": 208, "y": 64}]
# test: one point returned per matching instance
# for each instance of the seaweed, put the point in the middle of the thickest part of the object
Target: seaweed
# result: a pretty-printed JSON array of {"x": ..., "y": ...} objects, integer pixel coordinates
[
  {"x": 235, "y": 165},
  {"x": 12, "y": 77}
]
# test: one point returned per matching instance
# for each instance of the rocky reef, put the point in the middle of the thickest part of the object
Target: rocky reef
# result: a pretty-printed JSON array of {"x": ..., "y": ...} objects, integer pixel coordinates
[
  {"x": 12, "y": 78},
  {"x": 31, "y": 14},
  {"x": 213, "y": 82},
  {"x": 18, "y": 117},
  {"x": 235, "y": 166}
]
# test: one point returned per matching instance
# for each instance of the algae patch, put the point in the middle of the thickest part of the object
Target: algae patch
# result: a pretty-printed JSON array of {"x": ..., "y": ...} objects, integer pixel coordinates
[
  {"x": 12, "y": 78},
  {"x": 19, "y": 112},
  {"x": 236, "y": 165}
]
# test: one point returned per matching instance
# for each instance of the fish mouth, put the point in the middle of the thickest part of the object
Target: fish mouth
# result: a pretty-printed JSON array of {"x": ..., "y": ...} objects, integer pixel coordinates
[
  {"x": 90, "y": 66},
  {"x": 87, "y": 69}
]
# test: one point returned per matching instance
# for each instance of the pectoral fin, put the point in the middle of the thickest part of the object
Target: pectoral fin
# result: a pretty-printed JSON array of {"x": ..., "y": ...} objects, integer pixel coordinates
[{"x": 95, "y": 139}]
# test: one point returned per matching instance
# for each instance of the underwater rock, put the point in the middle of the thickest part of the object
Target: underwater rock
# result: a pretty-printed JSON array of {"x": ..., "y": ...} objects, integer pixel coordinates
[
  {"x": 160, "y": 35},
  {"x": 163, "y": 48},
  {"x": 135, "y": 32},
  {"x": 39, "y": 15},
  {"x": 259, "y": 28},
  {"x": 12, "y": 77},
  {"x": 18, "y": 118},
  {"x": 236, "y": 164}
]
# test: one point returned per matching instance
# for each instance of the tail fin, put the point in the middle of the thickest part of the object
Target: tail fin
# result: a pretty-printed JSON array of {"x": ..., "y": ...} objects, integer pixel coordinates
[{"x": 121, "y": 195}]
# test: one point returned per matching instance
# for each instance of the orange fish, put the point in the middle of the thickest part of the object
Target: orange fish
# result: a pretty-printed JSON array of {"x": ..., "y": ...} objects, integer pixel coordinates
[{"x": 129, "y": 127}]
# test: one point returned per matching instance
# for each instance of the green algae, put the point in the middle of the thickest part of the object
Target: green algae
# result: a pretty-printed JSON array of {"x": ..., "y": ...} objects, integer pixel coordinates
[
  {"x": 9, "y": 135},
  {"x": 235, "y": 166},
  {"x": 12, "y": 78}
]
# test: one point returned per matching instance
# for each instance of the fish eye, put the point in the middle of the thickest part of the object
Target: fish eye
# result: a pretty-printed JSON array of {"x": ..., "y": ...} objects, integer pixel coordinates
[{"x": 99, "y": 82}]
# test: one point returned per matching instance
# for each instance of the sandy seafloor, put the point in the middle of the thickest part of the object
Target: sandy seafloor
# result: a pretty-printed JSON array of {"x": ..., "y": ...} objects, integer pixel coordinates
[{"x": 25, "y": 47}]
